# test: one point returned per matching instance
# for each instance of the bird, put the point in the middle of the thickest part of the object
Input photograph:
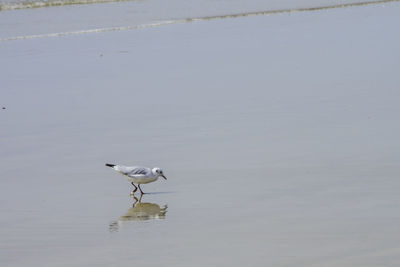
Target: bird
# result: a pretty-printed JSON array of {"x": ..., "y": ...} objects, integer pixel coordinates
[{"x": 138, "y": 175}]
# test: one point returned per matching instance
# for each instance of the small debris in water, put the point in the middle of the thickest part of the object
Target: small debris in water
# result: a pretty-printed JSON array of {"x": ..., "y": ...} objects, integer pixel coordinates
[{"x": 3, "y": 107}]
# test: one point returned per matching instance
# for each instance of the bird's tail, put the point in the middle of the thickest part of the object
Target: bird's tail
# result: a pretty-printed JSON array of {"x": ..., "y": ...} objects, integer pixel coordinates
[{"x": 110, "y": 165}]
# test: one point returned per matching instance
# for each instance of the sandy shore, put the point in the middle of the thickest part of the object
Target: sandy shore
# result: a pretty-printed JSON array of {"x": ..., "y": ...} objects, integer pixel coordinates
[{"x": 278, "y": 134}]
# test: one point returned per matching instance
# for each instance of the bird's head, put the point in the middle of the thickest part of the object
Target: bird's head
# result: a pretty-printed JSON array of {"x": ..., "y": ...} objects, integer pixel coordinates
[{"x": 158, "y": 172}]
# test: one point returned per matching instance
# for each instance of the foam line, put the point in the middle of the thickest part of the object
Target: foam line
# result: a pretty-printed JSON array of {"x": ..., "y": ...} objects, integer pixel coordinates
[
  {"x": 39, "y": 4},
  {"x": 187, "y": 20}
]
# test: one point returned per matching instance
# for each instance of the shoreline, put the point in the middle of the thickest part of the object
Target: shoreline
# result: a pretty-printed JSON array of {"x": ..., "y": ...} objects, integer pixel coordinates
[{"x": 195, "y": 19}]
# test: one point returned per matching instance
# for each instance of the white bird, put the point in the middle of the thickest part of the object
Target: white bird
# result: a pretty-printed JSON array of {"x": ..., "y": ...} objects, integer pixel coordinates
[{"x": 138, "y": 175}]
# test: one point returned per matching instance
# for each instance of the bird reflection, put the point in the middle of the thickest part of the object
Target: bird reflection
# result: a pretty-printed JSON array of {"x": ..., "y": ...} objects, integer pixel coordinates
[{"x": 140, "y": 211}]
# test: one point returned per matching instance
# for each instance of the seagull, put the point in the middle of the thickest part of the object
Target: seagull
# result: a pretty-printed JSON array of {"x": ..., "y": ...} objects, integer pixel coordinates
[{"x": 138, "y": 175}]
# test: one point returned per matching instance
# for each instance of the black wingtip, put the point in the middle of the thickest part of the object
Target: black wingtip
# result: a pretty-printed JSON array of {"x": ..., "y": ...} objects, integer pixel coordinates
[{"x": 110, "y": 165}]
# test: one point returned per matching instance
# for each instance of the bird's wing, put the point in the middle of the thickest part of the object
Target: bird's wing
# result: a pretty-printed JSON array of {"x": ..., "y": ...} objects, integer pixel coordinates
[{"x": 134, "y": 171}]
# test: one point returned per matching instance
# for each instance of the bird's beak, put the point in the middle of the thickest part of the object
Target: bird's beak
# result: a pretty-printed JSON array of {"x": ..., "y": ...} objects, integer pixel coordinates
[{"x": 164, "y": 177}]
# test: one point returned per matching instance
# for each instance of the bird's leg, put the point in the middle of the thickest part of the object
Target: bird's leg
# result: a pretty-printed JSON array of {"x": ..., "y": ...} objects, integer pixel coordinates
[
  {"x": 140, "y": 189},
  {"x": 136, "y": 200},
  {"x": 135, "y": 188}
]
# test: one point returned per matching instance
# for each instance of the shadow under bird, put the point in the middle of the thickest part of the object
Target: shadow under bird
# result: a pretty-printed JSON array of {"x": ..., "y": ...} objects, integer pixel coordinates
[{"x": 138, "y": 175}]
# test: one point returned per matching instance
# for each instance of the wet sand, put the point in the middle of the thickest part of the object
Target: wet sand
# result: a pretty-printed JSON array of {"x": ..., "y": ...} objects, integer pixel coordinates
[{"x": 278, "y": 135}]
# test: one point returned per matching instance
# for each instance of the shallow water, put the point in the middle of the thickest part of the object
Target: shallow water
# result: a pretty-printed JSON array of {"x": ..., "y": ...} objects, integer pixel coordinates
[
  {"x": 278, "y": 135},
  {"x": 187, "y": 6},
  {"x": 64, "y": 18}
]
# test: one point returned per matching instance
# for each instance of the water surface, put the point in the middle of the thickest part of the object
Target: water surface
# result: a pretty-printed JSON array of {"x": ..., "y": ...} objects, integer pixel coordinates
[
  {"x": 278, "y": 135},
  {"x": 23, "y": 20}
]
